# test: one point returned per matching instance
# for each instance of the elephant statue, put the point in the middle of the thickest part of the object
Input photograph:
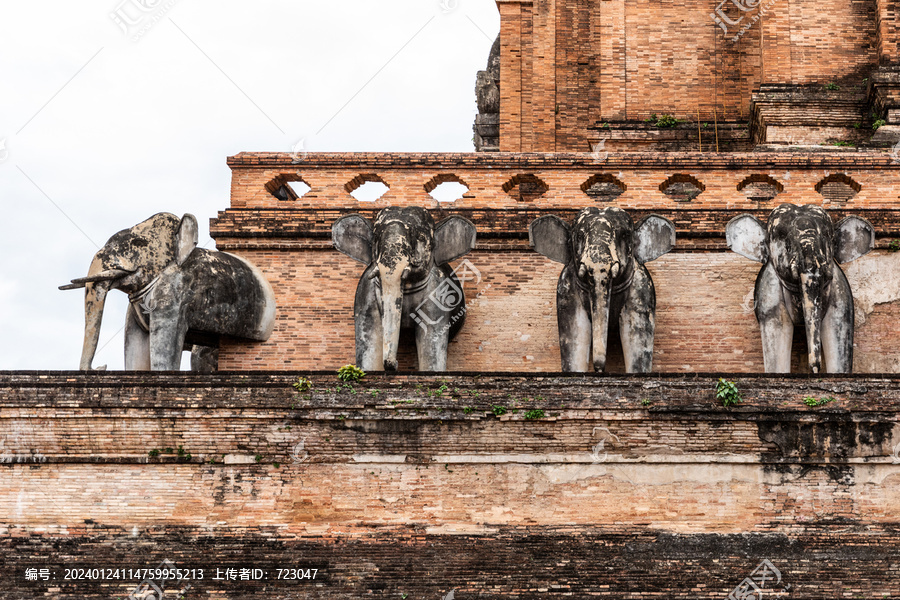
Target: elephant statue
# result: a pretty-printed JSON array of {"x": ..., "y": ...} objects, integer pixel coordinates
[
  {"x": 179, "y": 294},
  {"x": 407, "y": 283},
  {"x": 801, "y": 283},
  {"x": 604, "y": 283}
]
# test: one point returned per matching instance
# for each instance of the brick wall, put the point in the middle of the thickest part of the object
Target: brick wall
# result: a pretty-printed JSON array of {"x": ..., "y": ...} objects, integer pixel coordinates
[
  {"x": 412, "y": 485},
  {"x": 703, "y": 319},
  {"x": 568, "y": 65}
]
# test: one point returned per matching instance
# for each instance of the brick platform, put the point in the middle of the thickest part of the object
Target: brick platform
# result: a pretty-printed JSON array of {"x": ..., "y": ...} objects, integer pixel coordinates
[{"x": 635, "y": 487}]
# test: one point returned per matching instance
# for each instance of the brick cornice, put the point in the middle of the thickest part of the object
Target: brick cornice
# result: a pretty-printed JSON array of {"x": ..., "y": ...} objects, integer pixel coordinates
[{"x": 824, "y": 159}]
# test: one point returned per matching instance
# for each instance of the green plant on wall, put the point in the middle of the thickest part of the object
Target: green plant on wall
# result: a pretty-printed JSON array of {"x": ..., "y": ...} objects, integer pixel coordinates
[
  {"x": 894, "y": 246},
  {"x": 302, "y": 384},
  {"x": 727, "y": 393},
  {"x": 810, "y": 401},
  {"x": 536, "y": 413},
  {"x": 350, "y": 373}
]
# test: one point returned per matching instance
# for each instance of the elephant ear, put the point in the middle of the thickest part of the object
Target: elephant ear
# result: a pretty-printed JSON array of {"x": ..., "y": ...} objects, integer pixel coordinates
[
  {"x": 746, "y": 235},
  {"x": 550, "y": 236},
  {"x": 853, "y": 237},
  {"x": 653, "y": 237},
  {"x": 453, "y": 237},
  {"x": 352, "y": 235},
  {"x": 186, "y": 238}
]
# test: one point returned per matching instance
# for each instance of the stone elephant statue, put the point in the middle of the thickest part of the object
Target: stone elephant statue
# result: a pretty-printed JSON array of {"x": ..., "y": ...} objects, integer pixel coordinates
[
  {"x": 407, "y": 283},
  {"x": 180, "y": 294},
  {"x": 604, "y": 283},
  {"x": 801, "y": 283}
]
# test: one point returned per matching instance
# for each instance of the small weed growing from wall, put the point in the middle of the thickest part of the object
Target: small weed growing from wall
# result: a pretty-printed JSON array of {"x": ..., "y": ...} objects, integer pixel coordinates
[
  {"x": 810, "y": 401},
  {"x": 645, "y": 402},
  {"x": 727, "y": 393},
  {"x": 498, "y": 410},
  {"x": 536, "y": 413},
  {"x": 894, "y": 246},
  {"x": 832, "y": 87},
  {"x": 662, "y": 121},
  {"x": 350, "y": 373},
  {"x": 878, "y": 124},
  {"x": 302, "y": 384}
]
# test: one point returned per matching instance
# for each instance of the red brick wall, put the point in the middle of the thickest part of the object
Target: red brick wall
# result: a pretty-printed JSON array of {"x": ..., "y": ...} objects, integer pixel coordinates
[
  {"x": 568, "y": 65},
  {"x": 511, "y": 326},
  {"x": 412, "y": 485}
]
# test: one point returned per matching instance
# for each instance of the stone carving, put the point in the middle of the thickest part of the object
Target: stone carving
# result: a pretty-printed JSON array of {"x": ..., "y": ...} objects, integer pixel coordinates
[
  {"x": 604, "y": 283},
  {"x": 408, "y": 283},
  {"x": 801, "y": 283},
  {"x": 179, "y": 294},
  {"x": 487, "y": 96}
]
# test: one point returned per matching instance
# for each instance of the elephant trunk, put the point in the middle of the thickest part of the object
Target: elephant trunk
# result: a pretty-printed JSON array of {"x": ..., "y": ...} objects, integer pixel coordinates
[
  {"x": 600, "y": 322},
  {"x": 94, "y": 302},
  {"x": 391, "y": 303},
  {"x": 813, "y": 312}
]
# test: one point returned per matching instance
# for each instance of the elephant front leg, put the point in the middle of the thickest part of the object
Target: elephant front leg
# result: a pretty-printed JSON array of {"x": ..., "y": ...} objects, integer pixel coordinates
[
  {"x": 637, "y": 323},
  {"x": 168, "y": 324},
  {"x": 775, "y": 324},
  {"x": 431, "y": 346},
  {"x": 837, "y": 326},
  {"x": 137, "y": 343},
  {"x": 167, "y": 333},
  {"x": 368, "y": 326},
  {"x": 574, "y": 320}
]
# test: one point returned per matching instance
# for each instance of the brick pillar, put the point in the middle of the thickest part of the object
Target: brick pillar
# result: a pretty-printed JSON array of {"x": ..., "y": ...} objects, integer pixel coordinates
[
  {"x": 887, "y": 35},
  {"x": 544, "y": 99},
  {"x": 511, "y": 73},
  {"x": 613, "y": 80},
  {"x": 775, "y": 26}
]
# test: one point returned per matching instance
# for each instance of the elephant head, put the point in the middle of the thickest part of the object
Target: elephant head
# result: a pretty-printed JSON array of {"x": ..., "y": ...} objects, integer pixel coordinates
[
  {"x": 802, "y": 246},
  {"x": 602, "y": 250},
  {"x": 132, "y": 260},
  {"x": 403, "y": 249}
]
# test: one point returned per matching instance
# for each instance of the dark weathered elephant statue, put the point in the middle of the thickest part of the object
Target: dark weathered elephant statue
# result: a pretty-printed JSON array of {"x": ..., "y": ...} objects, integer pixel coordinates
[
  {"x": 408, "y": 283},
  {"x": 604, "y": 283},
  {"x": 801, "y": 283},
  {"x": 180, "y": 294}
]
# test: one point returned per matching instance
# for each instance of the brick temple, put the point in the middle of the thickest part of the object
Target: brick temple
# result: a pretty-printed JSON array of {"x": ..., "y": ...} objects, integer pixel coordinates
[{"x": 503, "y": 477}]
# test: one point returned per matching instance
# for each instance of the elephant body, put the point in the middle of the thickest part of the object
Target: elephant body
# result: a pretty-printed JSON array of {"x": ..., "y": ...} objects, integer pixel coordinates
[
  {"x": 801, "y": 282},
  {"x": 604, "y": 285},
  {"x": 182, "y": 297},
  {"x": 407, "y": 283}
]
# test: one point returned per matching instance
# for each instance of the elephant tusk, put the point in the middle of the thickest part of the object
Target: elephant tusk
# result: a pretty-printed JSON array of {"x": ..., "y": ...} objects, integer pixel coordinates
[{"x": 108, "y": 275}]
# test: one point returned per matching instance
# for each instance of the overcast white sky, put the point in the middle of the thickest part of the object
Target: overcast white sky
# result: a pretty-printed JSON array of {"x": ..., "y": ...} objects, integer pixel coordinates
[{"x": 99, "y": 131}]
